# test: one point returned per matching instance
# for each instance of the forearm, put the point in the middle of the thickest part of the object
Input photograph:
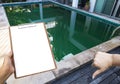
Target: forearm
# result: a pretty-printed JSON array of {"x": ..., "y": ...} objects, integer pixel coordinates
[
  {"x": 116, "y": 60},
  {"x": 2, "y": 80},
  {"x": 4, "y": 74},
  {"x": 6, "y": 70}
]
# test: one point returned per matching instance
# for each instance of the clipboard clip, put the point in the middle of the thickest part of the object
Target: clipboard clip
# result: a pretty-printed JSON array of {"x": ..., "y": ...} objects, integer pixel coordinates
[{"x": 28, "y": 26}]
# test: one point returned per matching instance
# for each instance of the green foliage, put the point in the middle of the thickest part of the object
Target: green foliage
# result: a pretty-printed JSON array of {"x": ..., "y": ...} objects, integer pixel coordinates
[
  {"x": 9, "y": 1},
  {"x": 21, "y": 15}
]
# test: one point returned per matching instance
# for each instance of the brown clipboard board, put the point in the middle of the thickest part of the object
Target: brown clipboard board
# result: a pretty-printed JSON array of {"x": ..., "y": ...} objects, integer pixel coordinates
[{"x": 22, "y": 68}]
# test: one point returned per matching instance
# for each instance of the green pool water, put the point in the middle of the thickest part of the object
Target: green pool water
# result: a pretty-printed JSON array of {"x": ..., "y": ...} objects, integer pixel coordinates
[{"x": 69, "y": 32}]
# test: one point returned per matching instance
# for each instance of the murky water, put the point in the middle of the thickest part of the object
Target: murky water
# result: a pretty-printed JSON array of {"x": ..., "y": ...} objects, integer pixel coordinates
[{"x": 69, "y": 32}]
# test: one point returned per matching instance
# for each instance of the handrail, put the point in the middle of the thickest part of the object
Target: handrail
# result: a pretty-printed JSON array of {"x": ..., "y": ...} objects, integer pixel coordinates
[
  {"x": 96, "y": 16},
  {"x": 114, "y": 31}
]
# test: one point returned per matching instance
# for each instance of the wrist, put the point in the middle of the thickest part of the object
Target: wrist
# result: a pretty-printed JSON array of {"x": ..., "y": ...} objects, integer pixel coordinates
[
  {"x": 111, "y": 61},
  {"x": 116, "y": 60}
]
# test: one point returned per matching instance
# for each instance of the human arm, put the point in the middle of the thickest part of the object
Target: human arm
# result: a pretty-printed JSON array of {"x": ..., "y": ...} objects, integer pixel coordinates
[
  {"x": 103, "y": 61},
  {"x": 7, "y": 68},
  {"x": 116, "y": 59}
]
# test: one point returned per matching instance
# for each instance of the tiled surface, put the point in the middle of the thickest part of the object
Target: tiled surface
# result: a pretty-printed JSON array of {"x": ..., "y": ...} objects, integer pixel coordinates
[
  {"x": 4, "y": 35},
  {"x": 64, "y": 67},
  {"x": 67, "y": 65},
  {"x": 34, "y": 79},
  {"x": 83, "y": 75},
  {"x": 85, "y": 56}
]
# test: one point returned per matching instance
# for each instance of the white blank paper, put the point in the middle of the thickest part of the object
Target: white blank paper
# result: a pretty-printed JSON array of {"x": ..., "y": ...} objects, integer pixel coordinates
[{"x": 31, "y": 49}]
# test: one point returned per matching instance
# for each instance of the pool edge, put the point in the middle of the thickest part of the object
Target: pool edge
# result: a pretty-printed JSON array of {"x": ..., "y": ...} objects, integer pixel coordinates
[{"x": 69, "y": 64}]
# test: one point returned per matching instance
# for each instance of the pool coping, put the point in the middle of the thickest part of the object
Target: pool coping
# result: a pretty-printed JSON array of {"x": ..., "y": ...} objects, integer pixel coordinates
[
  {"x": 67, "y": 65},
  {"x": 85, "y": 56}
]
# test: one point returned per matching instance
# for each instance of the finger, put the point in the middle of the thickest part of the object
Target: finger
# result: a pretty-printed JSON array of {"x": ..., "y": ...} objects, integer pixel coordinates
[
  {"x": 96, "y": 64},
  {"x": 6, "y": 61},
  {"x": 1, "y": 61},
  {"x": 96, "y": 73},
  {"x": 10, "y": 54},
  {"x": 7, "y": 65}
]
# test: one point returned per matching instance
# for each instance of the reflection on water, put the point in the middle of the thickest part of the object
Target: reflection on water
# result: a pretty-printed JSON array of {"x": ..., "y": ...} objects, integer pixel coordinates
[{"x": 69, "y": 32}]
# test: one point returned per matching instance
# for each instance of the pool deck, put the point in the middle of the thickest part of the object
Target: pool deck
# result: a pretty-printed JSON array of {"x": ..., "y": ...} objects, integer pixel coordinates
[
  {"x": 83, "y": 74},
  {"x": 67, "y": 65}
]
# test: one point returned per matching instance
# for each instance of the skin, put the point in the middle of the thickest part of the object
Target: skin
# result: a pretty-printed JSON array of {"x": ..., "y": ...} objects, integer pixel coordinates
[
  {"x": 103, "y": 61},
  {"x": 7, "y": 68}
]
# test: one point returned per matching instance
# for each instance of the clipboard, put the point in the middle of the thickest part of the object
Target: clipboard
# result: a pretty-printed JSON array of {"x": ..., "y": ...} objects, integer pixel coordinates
[{"x": 31, "y": 49}]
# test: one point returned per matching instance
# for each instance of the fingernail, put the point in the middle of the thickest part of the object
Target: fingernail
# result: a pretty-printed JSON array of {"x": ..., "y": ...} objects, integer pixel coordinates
[{"x": 93, "y": 77}]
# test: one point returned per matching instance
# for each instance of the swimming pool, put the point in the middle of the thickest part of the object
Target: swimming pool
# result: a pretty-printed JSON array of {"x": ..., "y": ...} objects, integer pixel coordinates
[{"x": 70, "y": 31}]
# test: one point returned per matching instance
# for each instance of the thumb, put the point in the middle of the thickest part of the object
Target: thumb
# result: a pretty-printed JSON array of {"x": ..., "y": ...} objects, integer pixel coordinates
[
  {"x": 96, "y": 73},
  {"x": 1, "y": 61}
]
